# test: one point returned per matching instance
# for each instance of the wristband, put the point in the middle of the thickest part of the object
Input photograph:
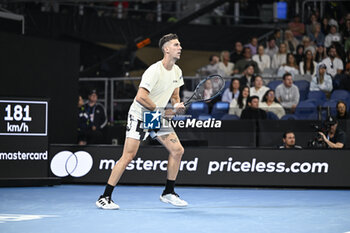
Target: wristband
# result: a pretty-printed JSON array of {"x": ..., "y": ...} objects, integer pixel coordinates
[{"x": 176, "y": 104}]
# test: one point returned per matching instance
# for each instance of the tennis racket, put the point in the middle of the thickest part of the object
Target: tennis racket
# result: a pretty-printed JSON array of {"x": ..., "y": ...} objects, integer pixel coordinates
[{"x": 207, "y": 89}]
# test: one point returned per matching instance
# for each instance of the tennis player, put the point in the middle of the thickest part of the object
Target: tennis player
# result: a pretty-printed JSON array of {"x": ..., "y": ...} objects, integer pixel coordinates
[{"x": 160, "y": 83}]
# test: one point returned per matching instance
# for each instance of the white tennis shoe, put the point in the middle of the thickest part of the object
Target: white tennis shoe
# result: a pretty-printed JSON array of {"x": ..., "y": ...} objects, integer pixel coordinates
[
  {"x": 106, "y": 203},
  {"x": 174, "y": 199}
]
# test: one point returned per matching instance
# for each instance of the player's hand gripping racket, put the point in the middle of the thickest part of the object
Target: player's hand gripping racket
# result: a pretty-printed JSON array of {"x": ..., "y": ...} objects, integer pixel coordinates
[{"x": 207, "y": 89}]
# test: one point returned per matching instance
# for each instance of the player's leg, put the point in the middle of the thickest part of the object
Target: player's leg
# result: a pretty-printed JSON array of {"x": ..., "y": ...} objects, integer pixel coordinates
[{"x": 173, "y": 145}]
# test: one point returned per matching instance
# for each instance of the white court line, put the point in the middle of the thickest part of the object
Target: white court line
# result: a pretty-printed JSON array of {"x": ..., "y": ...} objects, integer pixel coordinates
[{"x": 22, "y": 217}]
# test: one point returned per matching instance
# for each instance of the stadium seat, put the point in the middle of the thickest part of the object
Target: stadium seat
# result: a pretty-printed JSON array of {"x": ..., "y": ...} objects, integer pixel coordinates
[
  {"x": 273, "y": 84},
  {"x": 271, "y": 116},
  {"x": 304, "y": 109},
  {"x": 289, "y": 117},
  {"x": 220, "y": 109},
  {"x": 204, "y": 116},
  {"x": 197, "y": 108},
  {"x": 332, "y": 103},
  {"x": 318, "y": 96},
  {"x": 341, "y": 95},
  {"x": 179, "y": 118},
  {"x": 303, "y": 87},
  {"x": 230, "y": 117}
]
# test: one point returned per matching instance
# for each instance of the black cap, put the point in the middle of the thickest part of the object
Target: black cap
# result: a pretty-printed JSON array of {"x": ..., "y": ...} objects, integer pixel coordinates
[
  {"x": 93, "y": 91},
  {"x": 331, "y": 121}
]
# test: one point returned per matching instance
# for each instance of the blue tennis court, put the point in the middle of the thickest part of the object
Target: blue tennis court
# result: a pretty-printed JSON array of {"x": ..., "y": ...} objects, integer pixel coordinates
[{"x": 71, "y": 208}]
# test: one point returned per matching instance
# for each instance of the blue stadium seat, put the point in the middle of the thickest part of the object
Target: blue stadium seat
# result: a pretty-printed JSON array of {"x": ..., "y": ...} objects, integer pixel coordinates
[
  {"x": 197, "y": 108},
  {"x": 273, "y": 84},
  {"x": 289, "y": 117},
  {"x": 304, "y": 109},
  {"x": 304, "y": 87},
  {"x": 271, "y": 116},
  {"x": 318, "y": 96},
  {"x": 341, "y": 95},
  {"x": 204, "y": 116},
  {"x": 332, "y": 103},
  {"x": 179, "y": 118},
  {"x": 230, "y": 117},
  {"x": 220, "y": 109}
]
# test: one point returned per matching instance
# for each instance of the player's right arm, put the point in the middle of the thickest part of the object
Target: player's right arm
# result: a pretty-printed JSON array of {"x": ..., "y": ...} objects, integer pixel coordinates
[{"x": 142, "y": 97}]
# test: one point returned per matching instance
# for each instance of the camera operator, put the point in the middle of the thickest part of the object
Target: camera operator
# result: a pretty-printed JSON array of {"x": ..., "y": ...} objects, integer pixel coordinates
[{"x": 335, "y": 137}]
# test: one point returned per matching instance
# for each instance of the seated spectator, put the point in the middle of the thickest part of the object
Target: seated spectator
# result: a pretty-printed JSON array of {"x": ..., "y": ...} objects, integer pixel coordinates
[
  {"x": 238, "y": 53},
  {"x": 232, "y": 92},
  {"x": 211, "y": 68},
  {"x": 237, "y": 105},
  {"x": 320, "y": 53},
  {"x": 262, "y": 59},
  {"x": 321, "y": 81},
  {"x": 333, "y": 63},
  {"x": 270, "y": 104},
  {"x": 325, "y": 26},
  {"x": 83, "y": 122},
  {"x": 271, "y": 48},
  {"x": 336, "y": 137},
  {"x": 316, "y": 36},
  {"x": 287, "y": 93},
  {"x": 342, "y": 113},
  {"x": 252, "y": 110},
  {"x": 290, "y": 41},
  {"x": 333, "y": 36},
  {"x": 313, "y": 21},
  {"x": 289, "y": 141},
  {"x": 308, "y": 45},
  {"x": 278, "y": 37},
  {"x": 258, "y": 89},
  {"x": 346, "y": 30},
  {"x": 225, "y": 67},
  {"x": 253, "y": 45},
  {"x": 279, "y": 58},
  {"x": 297, "y": 27},
  {"x": 299, "y": 55},
  {"x": 247, "y": 78},
  {"x": 97, "y": 119},
  {"x": 308, "y": 65},
  {"x": 241, "y": 64},
  {"x": 289, "y": 67}
]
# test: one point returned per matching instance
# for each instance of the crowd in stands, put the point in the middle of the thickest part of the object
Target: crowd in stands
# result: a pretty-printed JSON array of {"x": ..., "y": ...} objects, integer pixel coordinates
[{"x": 311, "y": 62}]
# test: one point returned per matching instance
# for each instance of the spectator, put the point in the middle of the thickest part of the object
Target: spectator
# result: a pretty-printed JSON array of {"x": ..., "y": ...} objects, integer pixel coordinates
[
  {"x": 237, "y": 105},
  {"x": 290, "y": 41},
  {"x": 225, "y": 67},
  {"x": 346, "y": 30},
  {"x": 320, "y": 53},
  {"x": 253, "y": 45},
  {"x": 241, "y": 64},
  {"x": 316, "y": 36},
  {"x": 262, "y": 59},
  {"x": 97, "y": 119},
  {"x": 211, "y": 68},
  {"x": 232, "y": 92},
  {"x": 325, "y": 26},
  {"x": 307, "y": 45},
  {"x": 332, "y": 37},
  {"x": 289, "y": 141},
  {"x": 321, "y": 81},
  {"x": 247, "y": 78},
  {"x": 208, "y": 89},
  {"x": 297, "y": 27},
  {"x": 238, "y": 53},
  {"x": 270, "y": 104},
  {"x": 333, "y": 63},
  {"x": 278, "y": 37},
  {"x": 258, "y": 89},
  {"x": 313, "y": 21},
  {"x": 83, "y": 122},
  {"x": 299, "y": 55},
  {"x": 342, "y": 113},
  {"x": 308, "y": 65},
  {"x": 287, "y": 93},
  {"x": 271, "y": 48},
  {"x": 279, "y": 58},
  {"x": 252, "y": 110},
  {"x": 290, "y": 66},
  {"x": 336, "y": 137}
]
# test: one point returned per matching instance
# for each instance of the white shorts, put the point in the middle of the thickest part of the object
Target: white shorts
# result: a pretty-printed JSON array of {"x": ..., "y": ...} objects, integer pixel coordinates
[{"x": 134, "y": 129}]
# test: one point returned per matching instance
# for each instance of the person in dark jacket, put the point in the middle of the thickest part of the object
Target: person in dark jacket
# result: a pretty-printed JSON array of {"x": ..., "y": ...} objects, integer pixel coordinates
[{"x": 252, "y": 111}]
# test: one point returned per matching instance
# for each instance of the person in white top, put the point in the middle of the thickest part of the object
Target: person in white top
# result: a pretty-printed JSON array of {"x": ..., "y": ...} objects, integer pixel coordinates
[
  {"x": 160, "y": 83},
  {"x": 334, "y": 64},
  {"x": 308, "y": 65},
  {"x": 279, "y": 58},
  {"x": 321, "y": 81},
  {"x": 225, "y": 67},
  {"x": 270, "y": 104},
  {"x": 262, "y": 59},
  {"x": 237, "y": 105},
  {"x": 290, "y": 66},
  {"x": 231, "y": 92},
  {"x": 333, "y": 36},
  {"x": 258, "y": 89}
]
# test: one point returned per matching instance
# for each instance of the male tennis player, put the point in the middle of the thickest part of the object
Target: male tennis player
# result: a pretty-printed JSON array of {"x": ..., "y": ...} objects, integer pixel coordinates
[{"x": 160, "y": 82}]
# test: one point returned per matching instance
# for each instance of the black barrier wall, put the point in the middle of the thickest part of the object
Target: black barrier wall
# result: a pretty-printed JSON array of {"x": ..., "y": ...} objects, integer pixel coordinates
[{"x": 207, "y": 166}]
